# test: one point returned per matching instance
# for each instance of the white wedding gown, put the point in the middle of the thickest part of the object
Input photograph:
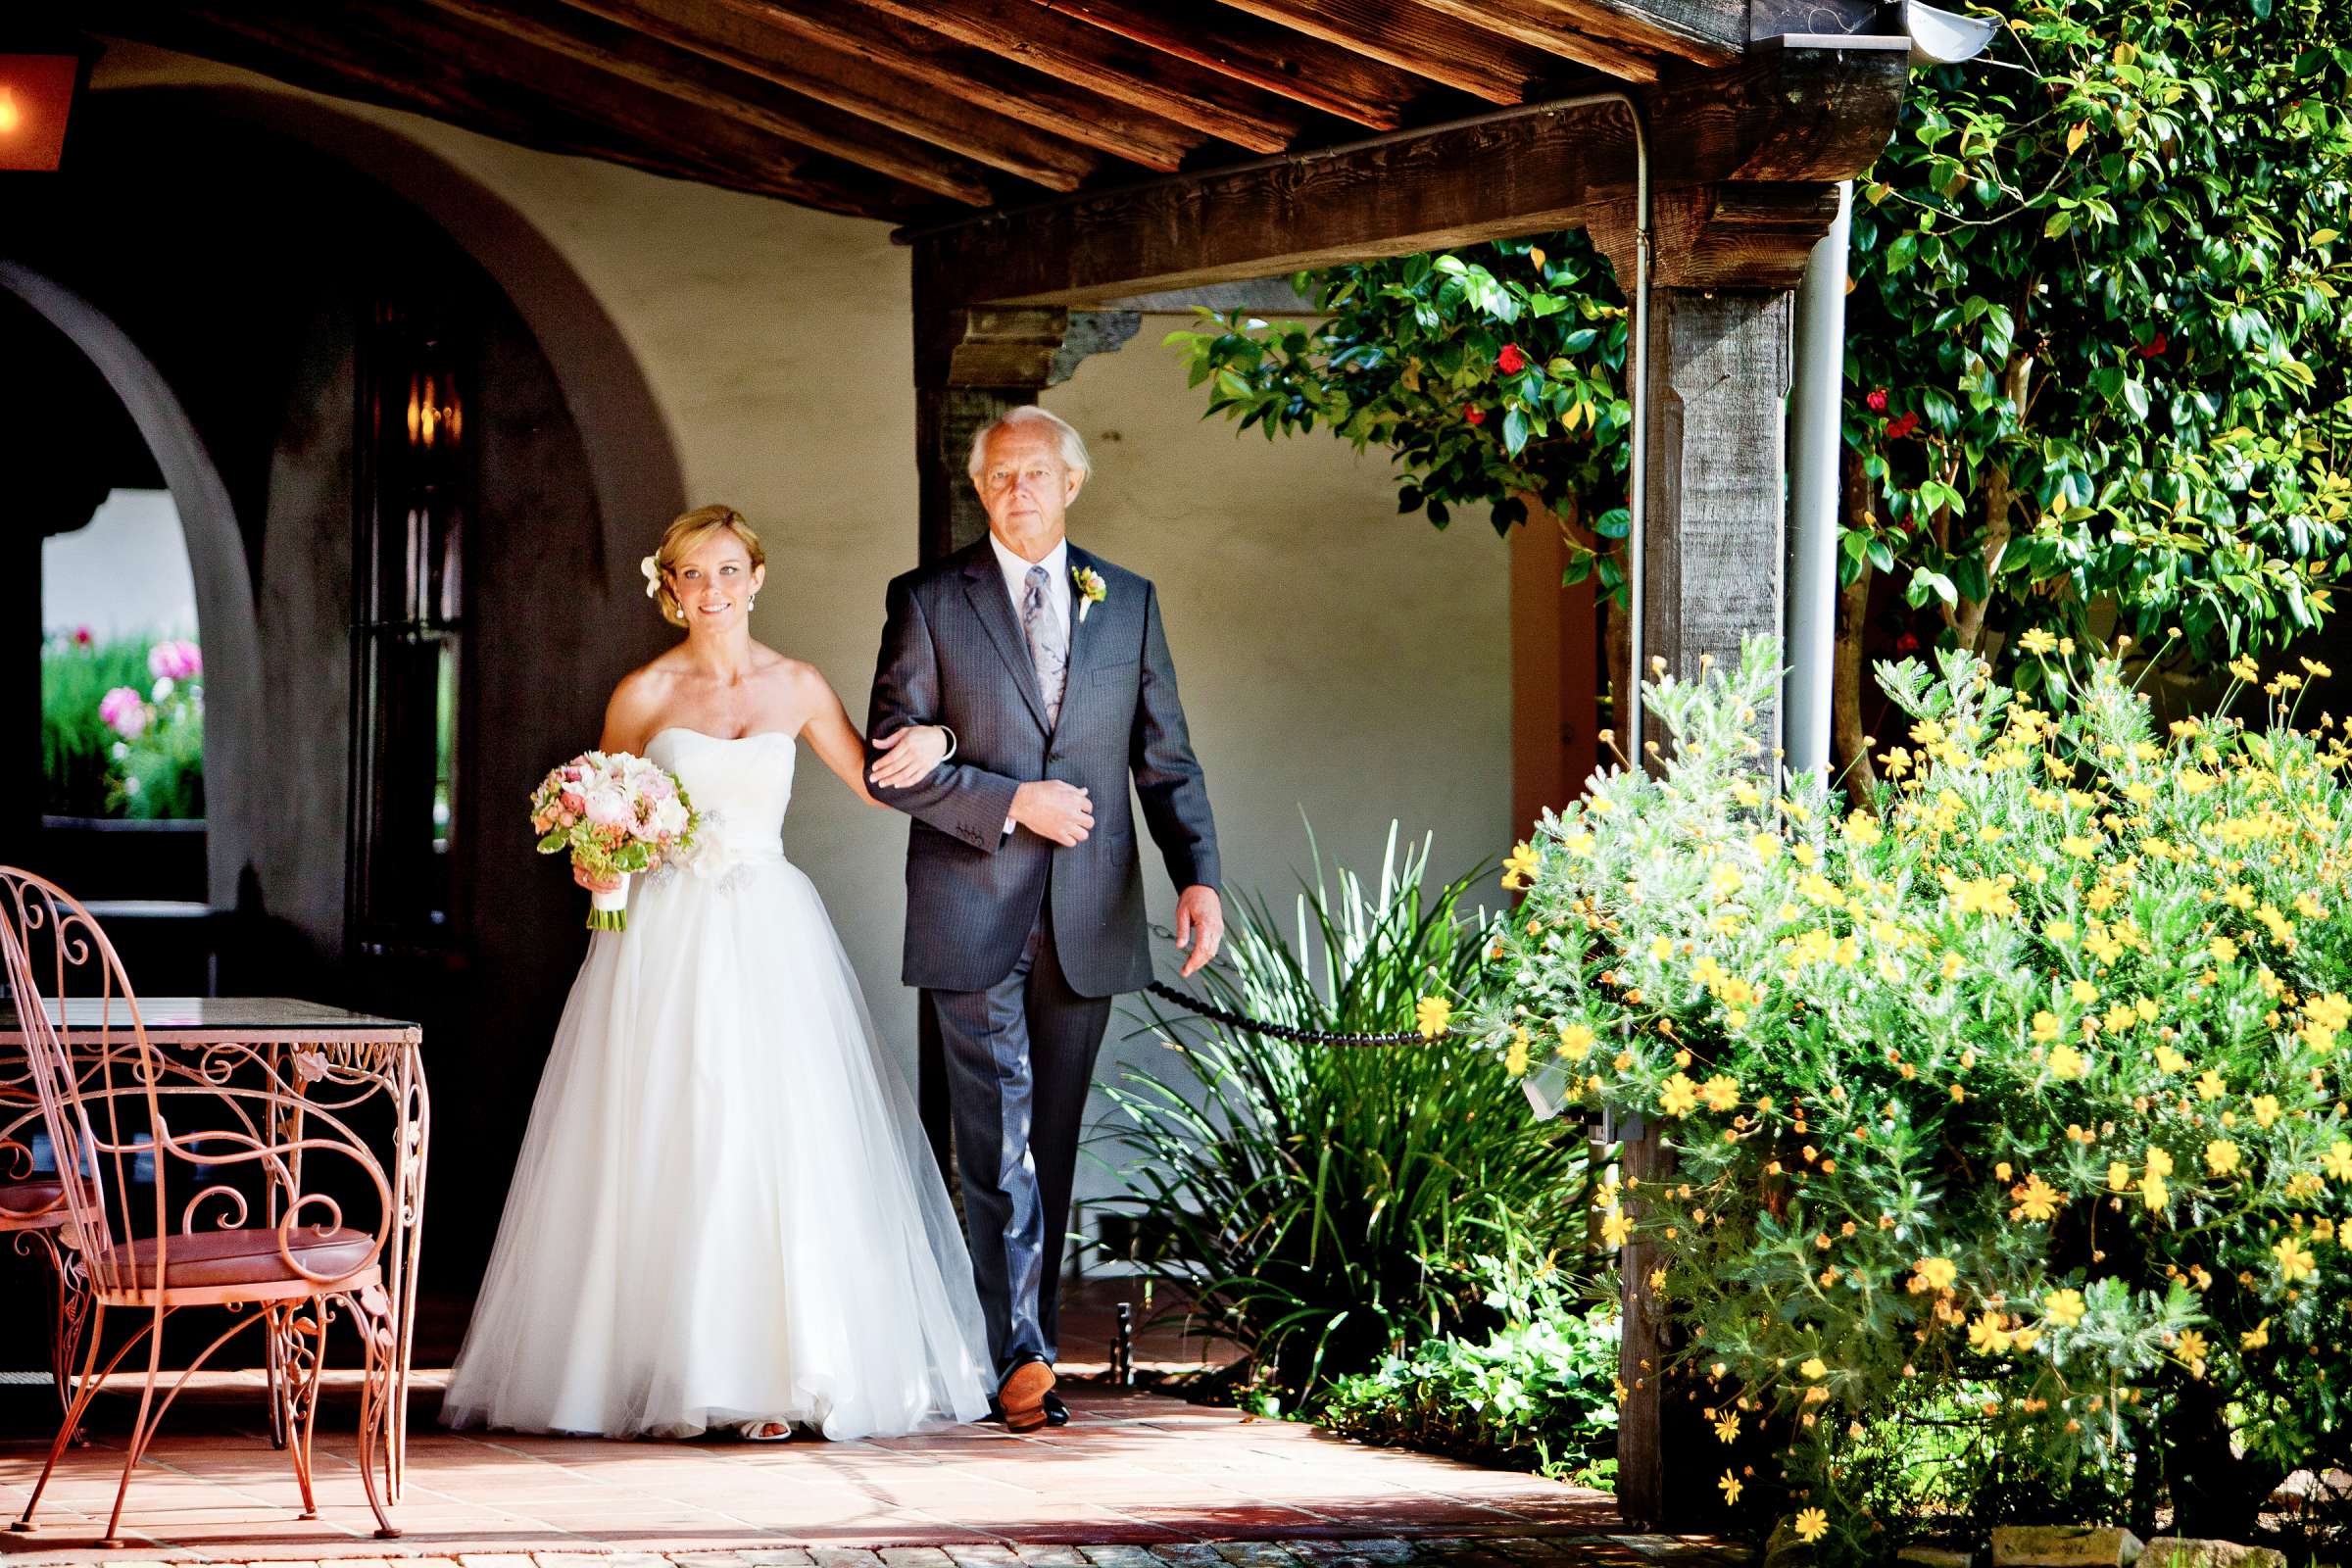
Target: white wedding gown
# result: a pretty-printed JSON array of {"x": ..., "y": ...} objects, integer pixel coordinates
[{"x": 724, "y": 1210}]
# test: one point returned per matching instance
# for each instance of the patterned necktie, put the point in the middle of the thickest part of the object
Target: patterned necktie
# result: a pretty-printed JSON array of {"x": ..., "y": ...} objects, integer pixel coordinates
[{"x": 1049, "y": 645}]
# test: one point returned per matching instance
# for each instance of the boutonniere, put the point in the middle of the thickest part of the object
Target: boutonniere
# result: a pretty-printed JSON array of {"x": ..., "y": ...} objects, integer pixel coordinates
[{"x": 1091, "y": 590}]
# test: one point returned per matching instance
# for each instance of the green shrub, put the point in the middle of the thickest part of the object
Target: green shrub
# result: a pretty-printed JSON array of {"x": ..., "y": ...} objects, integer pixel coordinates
[
  {"x": 2021, "y": 1098},
  {"x": 1321, "y": 1204},
  {"x": 1539, "y": 1392},
  {"x": 89, "y": 766}
]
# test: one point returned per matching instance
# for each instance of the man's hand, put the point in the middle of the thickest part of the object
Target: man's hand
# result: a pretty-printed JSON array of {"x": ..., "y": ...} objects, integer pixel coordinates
[
  {"x": 1053, "y": 810},
  {"x": 911, "y": 754},
  {"x": 1200, "y": 922}
]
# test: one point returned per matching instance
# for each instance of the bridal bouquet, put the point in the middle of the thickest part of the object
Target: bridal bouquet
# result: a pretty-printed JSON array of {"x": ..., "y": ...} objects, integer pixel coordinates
[{"x": 618, "y": 814}]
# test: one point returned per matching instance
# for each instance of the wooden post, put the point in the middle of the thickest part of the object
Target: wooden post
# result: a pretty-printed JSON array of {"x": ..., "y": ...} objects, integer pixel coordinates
[
  {"x": 1714, "y": 550},
  {"x": 1725, "y": 262},
  {"x": 971, "y": 365}
]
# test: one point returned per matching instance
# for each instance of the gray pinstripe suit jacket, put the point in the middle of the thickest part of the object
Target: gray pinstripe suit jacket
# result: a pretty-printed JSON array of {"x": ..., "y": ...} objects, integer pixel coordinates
[{"x": 953, "y": 653}]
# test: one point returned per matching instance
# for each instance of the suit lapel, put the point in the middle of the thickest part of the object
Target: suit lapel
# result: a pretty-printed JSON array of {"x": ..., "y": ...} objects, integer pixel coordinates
[
  {"x": 1085, "y": 631},
  {"x": 984, "y": 586}
]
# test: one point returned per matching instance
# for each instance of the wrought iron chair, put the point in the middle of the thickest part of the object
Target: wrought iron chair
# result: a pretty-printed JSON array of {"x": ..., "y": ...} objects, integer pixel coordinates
[
  {"x": 32, "y": 1215},
  {"x": 226, "y": 1131}
]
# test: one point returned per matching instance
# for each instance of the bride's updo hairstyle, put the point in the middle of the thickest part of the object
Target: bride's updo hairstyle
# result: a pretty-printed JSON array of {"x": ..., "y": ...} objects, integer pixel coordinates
[{"x": 678, "y": 541}]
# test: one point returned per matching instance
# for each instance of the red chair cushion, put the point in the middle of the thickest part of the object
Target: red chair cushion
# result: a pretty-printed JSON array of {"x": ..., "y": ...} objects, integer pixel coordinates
[
  {"x": 252, "y": 1256},
  {"x": 43, "y": 1202}
]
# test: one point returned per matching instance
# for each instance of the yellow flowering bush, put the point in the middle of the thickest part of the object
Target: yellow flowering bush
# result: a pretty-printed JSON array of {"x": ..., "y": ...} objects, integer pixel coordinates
[{"x": 2015, "y": 1095}]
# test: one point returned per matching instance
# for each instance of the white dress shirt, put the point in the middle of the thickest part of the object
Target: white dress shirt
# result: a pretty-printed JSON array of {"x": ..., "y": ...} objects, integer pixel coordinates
[
  {"x": 1057, "y": 582},
  {"x": 1058, "y": 590}
]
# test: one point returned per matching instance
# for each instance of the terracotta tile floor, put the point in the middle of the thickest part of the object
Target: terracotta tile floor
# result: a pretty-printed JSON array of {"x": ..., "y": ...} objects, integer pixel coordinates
[
  {"x": 1132, "y": 1468},
  {"x": 1135, "y": 1481}
]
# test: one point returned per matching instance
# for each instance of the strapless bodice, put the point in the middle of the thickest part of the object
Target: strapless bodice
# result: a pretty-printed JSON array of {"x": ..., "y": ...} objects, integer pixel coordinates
[{"x": 741, "y": 787}]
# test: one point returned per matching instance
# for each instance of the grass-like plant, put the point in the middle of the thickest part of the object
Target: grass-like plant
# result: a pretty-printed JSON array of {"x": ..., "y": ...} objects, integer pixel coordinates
[{"x": 1322, "y": 1203}]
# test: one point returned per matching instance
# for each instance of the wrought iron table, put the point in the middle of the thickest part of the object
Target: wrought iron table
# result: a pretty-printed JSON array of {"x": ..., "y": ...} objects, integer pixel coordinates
[{"x": 324, "y": 1057}]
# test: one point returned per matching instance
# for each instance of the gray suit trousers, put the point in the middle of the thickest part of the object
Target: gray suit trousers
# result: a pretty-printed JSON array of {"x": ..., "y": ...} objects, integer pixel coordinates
[{"x": 1021, "y": 1058}]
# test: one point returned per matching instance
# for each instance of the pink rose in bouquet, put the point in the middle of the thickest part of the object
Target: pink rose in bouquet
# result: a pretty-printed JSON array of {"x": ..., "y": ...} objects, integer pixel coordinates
[{"x": 616, "y": 815}]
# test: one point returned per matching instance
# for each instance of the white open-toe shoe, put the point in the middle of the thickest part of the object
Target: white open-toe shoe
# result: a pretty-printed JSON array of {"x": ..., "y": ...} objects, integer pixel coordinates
[{"x": 765, "y": 1431}]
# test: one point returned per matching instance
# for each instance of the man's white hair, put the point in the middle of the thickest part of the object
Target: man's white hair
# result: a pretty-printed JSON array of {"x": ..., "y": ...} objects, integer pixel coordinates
[{"x": 1073, "y": 444}]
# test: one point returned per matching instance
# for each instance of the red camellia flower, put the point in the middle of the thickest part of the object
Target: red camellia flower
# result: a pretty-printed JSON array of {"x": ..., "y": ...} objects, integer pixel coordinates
[
  {"x": 1510, "y": 361},
  {"x": 2153, "y": 346},
  {"x": 1877, "y": 399},
  {"x": 1897, "y": 429},
  {"x": 1474, "y": 413}
]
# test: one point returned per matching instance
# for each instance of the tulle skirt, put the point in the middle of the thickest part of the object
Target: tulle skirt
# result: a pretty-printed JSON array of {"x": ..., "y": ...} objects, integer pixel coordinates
[{"x": 724, "y": 1210}]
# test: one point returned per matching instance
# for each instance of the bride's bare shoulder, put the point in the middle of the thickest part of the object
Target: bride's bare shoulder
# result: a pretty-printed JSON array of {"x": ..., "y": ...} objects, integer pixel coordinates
[
  {"x": 640, "y": 698},
  {"x": 798, "y": 676}
]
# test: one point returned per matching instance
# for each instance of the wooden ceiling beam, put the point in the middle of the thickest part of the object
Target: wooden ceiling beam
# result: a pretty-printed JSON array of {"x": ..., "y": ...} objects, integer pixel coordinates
[
  {"x": 631, "y": 56},
  {"x": 1428, "y": 43},
  {"x": 854, "y": 86},
  {"x": 1087, "y": 57},
  {"x": 419, "y": 67},
  {"x": 1536, "y": 25},
  {"x": 1286, "y": 63},
  {"x": 950, "y": 70},
  {"x": 1707, "y": 32},
  {"x": 1790, "y": 115}
]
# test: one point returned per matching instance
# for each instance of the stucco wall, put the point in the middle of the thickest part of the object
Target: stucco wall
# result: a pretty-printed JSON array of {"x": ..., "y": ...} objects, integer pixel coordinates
[
  {"x": 123, "y": 572},
  {"x": 1332, "y": 656}
]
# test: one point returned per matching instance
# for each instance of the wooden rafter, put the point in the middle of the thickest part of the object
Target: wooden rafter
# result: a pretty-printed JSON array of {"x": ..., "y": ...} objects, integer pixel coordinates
[
  {"x": 1088, "y": 57},
  {"x": 1707, "y": 32},
  {"x": 1782, "y": 115},
  {"x": 1427, "y": 43},
  {"x": 855, "y": 85},
  {"x": 1536, "y": 25},
  {"x": 945, "y": 68},
  {"x": 631, "y": 56},
  {"x": 1288, "y": 64},
  {"x": 417, "y": 63}
]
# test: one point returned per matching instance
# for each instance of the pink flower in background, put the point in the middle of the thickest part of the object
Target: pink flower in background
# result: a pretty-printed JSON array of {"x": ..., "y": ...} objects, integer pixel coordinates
[
  {"x": 123, "y": 711},
  {"x": 82, "y": 636},
  {"x": 177, "y": 659}
]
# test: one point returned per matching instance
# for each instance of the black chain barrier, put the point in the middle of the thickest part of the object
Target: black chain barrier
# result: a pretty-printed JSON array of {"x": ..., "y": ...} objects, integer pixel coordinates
[{"x": 1283, "y": 1031}]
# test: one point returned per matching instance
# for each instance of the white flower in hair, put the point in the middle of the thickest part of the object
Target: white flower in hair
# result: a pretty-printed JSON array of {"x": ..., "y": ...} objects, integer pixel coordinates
[{"x": 652, "y": 575}]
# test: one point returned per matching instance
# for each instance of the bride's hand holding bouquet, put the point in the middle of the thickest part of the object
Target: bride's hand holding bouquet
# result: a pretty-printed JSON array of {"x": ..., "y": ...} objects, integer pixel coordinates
[{"x": 618, "y": 814}]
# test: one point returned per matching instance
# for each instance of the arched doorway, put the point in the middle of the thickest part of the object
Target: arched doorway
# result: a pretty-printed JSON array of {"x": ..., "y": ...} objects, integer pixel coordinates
[
  {"x": 436, "y": 464},
  {"x": 223, "y": 591}
]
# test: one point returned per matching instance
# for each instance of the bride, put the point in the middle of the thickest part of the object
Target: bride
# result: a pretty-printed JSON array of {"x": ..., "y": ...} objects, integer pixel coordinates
[{"x": 724, "y": 1213}]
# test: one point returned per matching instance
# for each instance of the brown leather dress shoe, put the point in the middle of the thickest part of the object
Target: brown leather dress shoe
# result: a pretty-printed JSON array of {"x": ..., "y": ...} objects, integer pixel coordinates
[{"x": 1022, "y": 1397}]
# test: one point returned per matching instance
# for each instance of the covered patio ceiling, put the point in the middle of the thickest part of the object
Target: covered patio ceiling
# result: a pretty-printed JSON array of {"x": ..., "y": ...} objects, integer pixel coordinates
[{"x": 922, "y": 111}]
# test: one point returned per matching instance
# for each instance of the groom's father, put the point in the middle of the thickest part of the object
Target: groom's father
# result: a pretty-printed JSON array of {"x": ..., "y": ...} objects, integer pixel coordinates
[{"x": 1024, "y": 896}]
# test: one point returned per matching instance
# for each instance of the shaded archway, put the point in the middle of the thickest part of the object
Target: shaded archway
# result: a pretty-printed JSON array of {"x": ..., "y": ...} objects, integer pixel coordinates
[
  {"x": 633, "y": 461},
  {"x": 224, "y": 612},
  {"x": 314, "y": 230}
]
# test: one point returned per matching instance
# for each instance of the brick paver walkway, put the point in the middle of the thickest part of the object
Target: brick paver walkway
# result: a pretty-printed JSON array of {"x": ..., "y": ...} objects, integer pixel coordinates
[{"x": 1138, "y": 1480}]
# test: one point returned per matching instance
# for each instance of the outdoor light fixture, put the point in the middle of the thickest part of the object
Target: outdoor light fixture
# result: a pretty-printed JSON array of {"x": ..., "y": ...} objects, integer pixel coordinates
[
  {"x": 1946, "y": 38},
  {"x": 36, "y": 95}
]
